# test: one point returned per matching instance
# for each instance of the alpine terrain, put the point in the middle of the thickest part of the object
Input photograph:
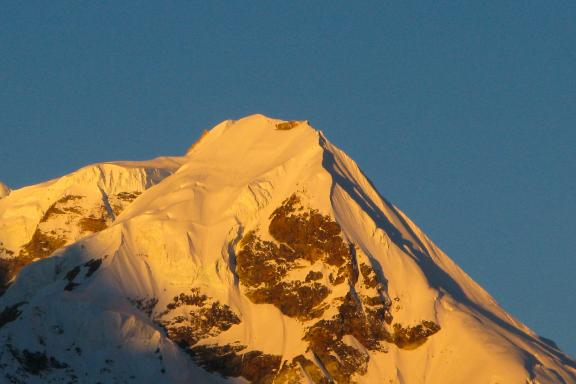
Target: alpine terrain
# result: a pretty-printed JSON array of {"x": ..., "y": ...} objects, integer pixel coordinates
[{"x": 263, "y": 255}]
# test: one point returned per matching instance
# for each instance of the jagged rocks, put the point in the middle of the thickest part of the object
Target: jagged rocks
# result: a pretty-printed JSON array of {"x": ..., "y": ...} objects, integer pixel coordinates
[
  {"x": 286, "y": 126},
  {"x": 413, "y": 337},
  {"x": 121, "y": 200},
  {"x": 369, "y": 276},
  {"x": 9, "y": 268},
  {"x": 144, "y": 304},
  {"x": 193, "y": 316},
  {"x": 228, "y": 360},
  {"x": 300, "y": 370},
  {"x": 35, "y": 362},
  {"x": 262, "y": 266},
  {"x": 303, "y": 238},
  {"x": 90, "y": 267},
  {"x": 308, "y": 234},
  {"x": 10, "y": 313}
]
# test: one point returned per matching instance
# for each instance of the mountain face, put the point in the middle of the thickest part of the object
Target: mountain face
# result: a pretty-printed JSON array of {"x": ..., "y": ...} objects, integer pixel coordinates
[
  {"x": 37, "y": 220},
  {"x": 264, "y": 255}
]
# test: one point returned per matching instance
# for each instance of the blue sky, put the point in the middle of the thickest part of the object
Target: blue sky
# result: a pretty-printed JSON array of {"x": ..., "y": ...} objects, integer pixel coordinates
[{"x": 462, "y": 113}]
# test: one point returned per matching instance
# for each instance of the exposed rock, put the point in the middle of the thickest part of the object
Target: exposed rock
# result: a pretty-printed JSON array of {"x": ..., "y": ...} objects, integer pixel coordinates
[
  {"x": 413, "y": 337},
  {"x": 10, "y": 313},
  {"x": 93, "y": 224},
  {"x": 262, "y": 267},
  {"x": 35, "y": 362},
  {"x": 146, "y": 305},
  {"x": 9, "y": 268},
  {"x": 309, "y": 234},
  {"x": 313, "y": 275},
  {"x": 70, "y": 276},
  {"x": 287, "y": 125},
  {"x": 369, "y": 276},
  {"x": 257, "y": 367},
  {"x": 194, "y": 316},
  {"x": 303, "y": 237},
  {"x": 91, "y": 267},
  {"x": 42, "y": 245},
  {"x": 299, "y": 370},
  {"x": 128, "y": 196},
  {"x": 121, "y": 200}
]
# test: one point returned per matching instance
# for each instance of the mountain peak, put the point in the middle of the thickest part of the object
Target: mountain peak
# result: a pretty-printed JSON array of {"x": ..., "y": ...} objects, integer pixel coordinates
[
  {"x": 252, "y": 146},
  {"x": 253, "y": 127},
  {"x": 264, "y": 253}
]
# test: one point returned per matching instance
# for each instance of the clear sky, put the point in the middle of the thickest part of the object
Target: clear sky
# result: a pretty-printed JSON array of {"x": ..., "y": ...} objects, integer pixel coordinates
[{"x": 462, "y": 113}]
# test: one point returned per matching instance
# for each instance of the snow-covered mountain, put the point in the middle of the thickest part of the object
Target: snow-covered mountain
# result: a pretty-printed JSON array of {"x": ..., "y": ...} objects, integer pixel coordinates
[
  {"x": 264, "y": 255},
  {"x": 37, "y": 220}
]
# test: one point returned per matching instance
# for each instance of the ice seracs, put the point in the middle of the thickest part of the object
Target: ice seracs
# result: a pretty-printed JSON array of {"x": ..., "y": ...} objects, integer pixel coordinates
[{"x": 263, "y": 255}]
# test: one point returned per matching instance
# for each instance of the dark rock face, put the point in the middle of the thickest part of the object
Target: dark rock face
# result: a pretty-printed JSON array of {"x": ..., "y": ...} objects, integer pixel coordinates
[
  {"x": 72, "y": 276},
  {"x": 304, "y": 238},
  {"x": 263, "y": 275},
  {"x": 10, "y": 313},
  {"x": 299, "y": 370},
  {"x": 26, "y": 364},
  {"x": 89, "y": 268},
  {"x": 9, "y": 268},
  {"x": 122, "y": 200},
  {"x": 193, "y": 316},
  {"x": 35, "y": 362},
  {"x": 229, "y": 360},
  {"x": 413, "y": 337},
  {"x": 286, "y": 126}
]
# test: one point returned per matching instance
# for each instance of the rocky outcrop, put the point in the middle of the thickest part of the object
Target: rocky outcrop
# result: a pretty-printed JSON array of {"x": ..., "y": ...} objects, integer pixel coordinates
[
  {"x": 193, "y": 316},
  {"x": 305, "y": 240}
]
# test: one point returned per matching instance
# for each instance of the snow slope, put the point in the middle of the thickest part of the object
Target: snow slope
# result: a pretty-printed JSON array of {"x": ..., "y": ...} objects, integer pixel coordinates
[
  {"x": 265, "y": 256},
  {"x": 36, "y": 220}
]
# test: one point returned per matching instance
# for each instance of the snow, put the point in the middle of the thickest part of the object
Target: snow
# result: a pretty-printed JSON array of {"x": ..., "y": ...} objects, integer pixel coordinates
[
  {"x": 180, "y": 233},
  {"x": 22, "y": 211}
]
